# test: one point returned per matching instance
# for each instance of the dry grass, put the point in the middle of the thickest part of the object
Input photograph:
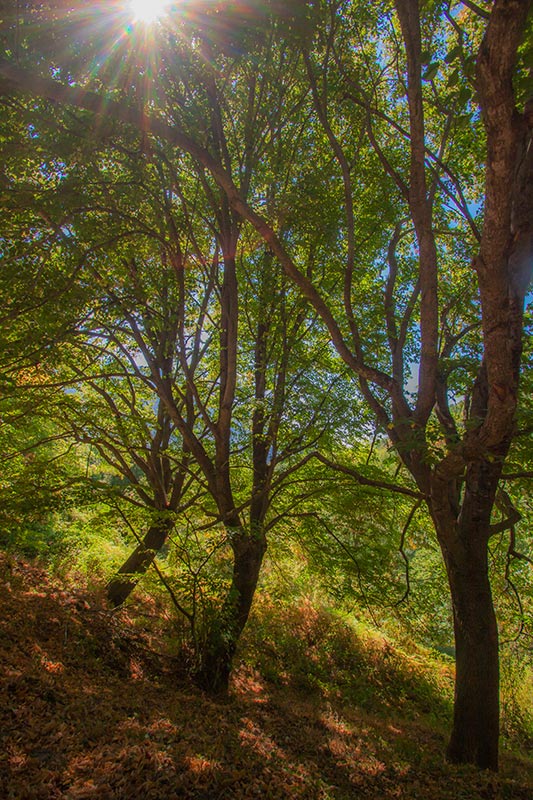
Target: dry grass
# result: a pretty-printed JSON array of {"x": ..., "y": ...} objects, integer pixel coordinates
[{"x": 88, "y": 711}]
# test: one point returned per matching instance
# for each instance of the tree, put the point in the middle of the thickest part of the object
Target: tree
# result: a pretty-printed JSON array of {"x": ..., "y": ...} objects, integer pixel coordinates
[
  {"x": 187, "y": 342},
  {"x": 459, "y": 483}
]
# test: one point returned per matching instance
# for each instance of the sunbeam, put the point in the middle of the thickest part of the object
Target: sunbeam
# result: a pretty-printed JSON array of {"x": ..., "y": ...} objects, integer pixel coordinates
[{"x": 148, "y": 11}]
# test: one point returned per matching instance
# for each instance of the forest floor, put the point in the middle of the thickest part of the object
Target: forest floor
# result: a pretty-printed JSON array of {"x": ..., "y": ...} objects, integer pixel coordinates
[{"x": 89, "y": 710}]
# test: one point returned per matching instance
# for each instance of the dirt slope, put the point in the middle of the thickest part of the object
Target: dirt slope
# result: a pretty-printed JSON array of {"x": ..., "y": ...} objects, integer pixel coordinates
[{"x": 87, "y": 711}]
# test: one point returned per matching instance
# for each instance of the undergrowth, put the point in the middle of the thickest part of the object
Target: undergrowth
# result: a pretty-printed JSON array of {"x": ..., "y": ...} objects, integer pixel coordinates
[
  {"x": 320, "y": 708},
  {"x": 310, "y": 648}
]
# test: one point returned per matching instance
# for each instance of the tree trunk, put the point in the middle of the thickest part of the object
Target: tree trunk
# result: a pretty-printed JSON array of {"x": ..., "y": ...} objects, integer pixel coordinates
[
  {"x": 129, "y": 574},
  {"x": 475, "y": 731},
  {"x": 218, "y": 649},
  {"x": 464, "y": 539}
]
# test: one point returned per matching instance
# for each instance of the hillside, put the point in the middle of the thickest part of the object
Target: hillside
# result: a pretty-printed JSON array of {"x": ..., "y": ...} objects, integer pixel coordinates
[{"x": 88, "y": 709}]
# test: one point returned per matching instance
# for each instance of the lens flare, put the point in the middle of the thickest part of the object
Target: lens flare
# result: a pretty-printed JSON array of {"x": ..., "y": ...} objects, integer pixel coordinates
[{"x": 148, "y": 11}]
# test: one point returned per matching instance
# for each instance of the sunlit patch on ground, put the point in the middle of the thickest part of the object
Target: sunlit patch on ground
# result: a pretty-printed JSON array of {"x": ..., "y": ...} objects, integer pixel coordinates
[
  {"x": 253, "y": 736},
  {"x": 249, "y": 682},
  {"x": 334, "y": 723},
  {"x": 200, "y": 765},
  {"x": 136, "y": 669},
  {"x": 17, "y": 758}
]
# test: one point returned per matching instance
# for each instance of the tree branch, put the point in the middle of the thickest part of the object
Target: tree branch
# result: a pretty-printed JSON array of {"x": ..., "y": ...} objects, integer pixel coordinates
[{"x": 361, "y": 479}]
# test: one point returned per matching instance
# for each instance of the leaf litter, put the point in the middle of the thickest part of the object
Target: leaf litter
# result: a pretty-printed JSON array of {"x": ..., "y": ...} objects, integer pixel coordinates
[{"x": 88, "y": 710}]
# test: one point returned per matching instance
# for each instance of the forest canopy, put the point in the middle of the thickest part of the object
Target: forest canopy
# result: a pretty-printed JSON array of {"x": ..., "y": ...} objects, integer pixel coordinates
[{"x": 264, "y": 283}]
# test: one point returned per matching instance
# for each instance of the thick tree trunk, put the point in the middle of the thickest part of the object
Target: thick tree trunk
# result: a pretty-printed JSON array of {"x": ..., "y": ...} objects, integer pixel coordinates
[
  {"x": 129, "y": 574},
  {"x": 475, "y": 732},
  {"x": 218, "y": 649},
  {"x": 464, "y": 539}
]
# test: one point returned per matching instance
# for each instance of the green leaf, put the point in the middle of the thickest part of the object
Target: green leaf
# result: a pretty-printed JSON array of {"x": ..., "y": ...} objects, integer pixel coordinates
[
  {"x": 454, "y": 53},
  {"x": 453, "y": 79},
  {"x": 465, "y": 94},
  {"x": 431, "y": 71}
]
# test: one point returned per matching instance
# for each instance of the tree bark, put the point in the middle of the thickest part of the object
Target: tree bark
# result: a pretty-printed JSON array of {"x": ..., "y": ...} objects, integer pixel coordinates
[
  {"x": 475, "y": 732},
  {"x": 129, "y": 574},
  {"x": 217, "y": 651},
  {"x": 463, "y": 532}
]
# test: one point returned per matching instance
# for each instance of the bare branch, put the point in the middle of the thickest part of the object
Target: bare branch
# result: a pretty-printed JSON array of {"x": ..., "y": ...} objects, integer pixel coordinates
[
  {"x": 403, "y": 553},
  {"x": 361, "y": 479}
]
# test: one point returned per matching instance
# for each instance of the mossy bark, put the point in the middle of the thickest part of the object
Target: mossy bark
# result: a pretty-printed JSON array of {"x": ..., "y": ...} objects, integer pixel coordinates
[
  {"x": 129, "y": 574},
  {"x": 218, "y": 649}
]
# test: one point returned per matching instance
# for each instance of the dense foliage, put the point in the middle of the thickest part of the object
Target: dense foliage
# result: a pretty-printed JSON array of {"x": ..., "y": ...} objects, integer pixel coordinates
[{"x": 264, "y": 278}]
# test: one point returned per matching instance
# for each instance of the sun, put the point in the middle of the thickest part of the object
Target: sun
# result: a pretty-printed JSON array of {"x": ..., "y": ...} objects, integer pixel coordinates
[{"x": 148, "y": 11}]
